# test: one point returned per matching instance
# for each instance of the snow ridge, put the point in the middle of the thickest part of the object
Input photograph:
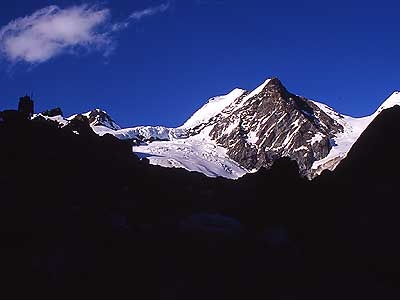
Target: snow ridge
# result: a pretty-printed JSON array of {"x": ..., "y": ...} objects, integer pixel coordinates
[
  {"x": 140, "y": 132},
  {"x": 213, "y": 107},
  {"x": 393, "y": 100}
]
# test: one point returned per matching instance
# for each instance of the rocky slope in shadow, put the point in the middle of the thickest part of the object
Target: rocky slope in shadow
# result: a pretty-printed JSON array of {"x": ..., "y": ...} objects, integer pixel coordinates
[{"x": 79, "y": 213}]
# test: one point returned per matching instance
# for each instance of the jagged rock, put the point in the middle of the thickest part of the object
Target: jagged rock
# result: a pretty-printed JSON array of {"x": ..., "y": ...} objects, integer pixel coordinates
[
  {"x": 274, "y": 123},
  {"x": 98, "y": 117},
  {"x": 80, "y": 124},
  {"x": 41, "y": 119},
  {"x": 53, "y": 112}
]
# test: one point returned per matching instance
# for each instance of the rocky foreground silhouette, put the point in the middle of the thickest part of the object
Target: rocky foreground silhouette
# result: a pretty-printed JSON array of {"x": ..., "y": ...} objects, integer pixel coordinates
[{"x": 81, "y": 215}]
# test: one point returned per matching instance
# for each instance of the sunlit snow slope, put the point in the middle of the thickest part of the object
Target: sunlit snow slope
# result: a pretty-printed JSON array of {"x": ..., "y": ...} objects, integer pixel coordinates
[
  {"x": 196, "y": 153},
  {"x": 213, "y": 107}
]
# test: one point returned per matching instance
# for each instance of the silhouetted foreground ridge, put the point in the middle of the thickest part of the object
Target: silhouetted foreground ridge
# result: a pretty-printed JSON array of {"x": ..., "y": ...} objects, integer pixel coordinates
[{"x": 81, "y": 214}]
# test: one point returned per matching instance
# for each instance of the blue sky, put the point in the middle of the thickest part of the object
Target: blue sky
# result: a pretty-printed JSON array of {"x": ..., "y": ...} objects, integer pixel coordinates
[{"x": 156, "y": 62}]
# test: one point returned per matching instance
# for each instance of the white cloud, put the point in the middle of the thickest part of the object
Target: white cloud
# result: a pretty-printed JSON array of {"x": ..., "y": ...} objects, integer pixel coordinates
[{"x": 52, "y": 31}]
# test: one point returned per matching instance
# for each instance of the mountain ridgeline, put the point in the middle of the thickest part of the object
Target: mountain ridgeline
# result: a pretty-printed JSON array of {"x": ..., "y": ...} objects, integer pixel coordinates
[
  {"x": 80, "y": 213},
  {"x": 241, "y": 132}
]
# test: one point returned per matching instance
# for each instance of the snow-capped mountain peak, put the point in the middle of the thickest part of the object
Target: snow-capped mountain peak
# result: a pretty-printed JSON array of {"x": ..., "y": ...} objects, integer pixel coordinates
[
  {"x": 98, "y": 117},
  {"x": 240, "y": 132},
  {"x": 254, "y": 129},
  {"x": 271, "y": 122}
]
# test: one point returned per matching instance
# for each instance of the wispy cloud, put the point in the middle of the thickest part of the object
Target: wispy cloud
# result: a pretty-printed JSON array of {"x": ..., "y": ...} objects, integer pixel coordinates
[
  {"x": 52, "y": 31},
  {"x": 138, "y": 15}
]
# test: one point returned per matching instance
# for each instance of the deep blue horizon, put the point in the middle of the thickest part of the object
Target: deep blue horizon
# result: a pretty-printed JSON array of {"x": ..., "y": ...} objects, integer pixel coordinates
[{"x": 157, "y": 62}]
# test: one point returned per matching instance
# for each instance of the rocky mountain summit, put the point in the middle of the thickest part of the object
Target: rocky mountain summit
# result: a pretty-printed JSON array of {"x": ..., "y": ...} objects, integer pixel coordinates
[
  {"x": 257, "y": 128},
  {"x": 98, "y": 117}
]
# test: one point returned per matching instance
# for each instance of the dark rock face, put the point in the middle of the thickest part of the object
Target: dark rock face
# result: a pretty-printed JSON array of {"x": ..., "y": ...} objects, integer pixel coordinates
[
  {"x": 272, "y": 124},
  {"x": 376, "y": 143},
  {"x": 80, "y": 213},
  {"x": 368, "y": 183},
  {"x": 11, "y": 116},
  {"x": 80, "y": 124},
  {"x": 48, "y": 122},
  {"x": 53, "y": 112},
  {"x": 98, "y": 117}
]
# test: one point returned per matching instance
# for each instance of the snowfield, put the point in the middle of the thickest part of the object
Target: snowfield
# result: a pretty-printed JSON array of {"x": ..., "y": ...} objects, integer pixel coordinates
[{"x": 193, "y": 154}]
